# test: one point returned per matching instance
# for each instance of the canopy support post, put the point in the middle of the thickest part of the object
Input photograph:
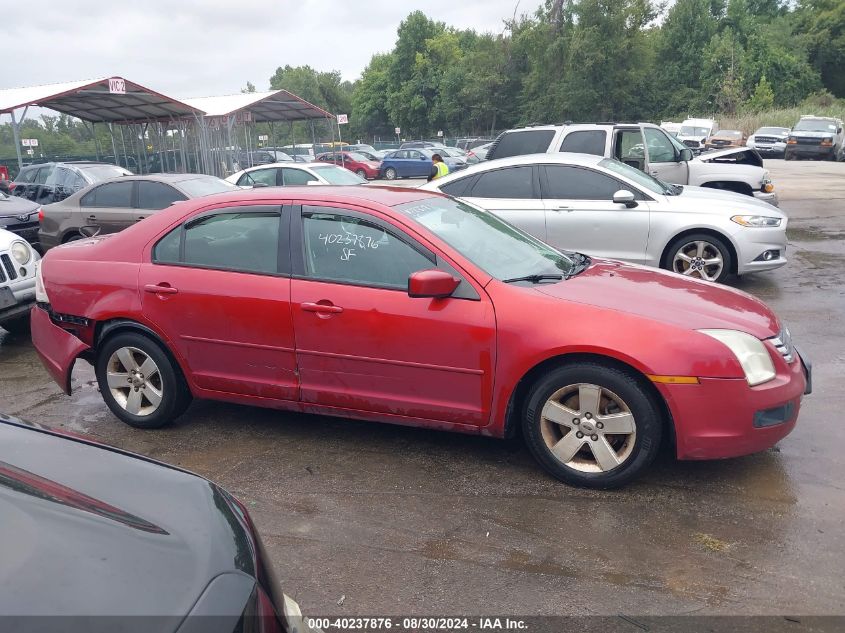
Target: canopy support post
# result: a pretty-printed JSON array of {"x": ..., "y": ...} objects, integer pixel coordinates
[
  {"x": 16, "y": 131},
  {"x": 113, "y": 144}
]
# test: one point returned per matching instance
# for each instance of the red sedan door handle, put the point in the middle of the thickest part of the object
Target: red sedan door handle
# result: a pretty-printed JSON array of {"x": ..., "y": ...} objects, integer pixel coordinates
[
  {"x": 160, "y": 289},
  {"x": 324, "y": 308}
]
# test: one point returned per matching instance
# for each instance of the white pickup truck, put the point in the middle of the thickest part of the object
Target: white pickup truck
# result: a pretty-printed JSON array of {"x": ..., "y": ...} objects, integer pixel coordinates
[
  {"x": 17, "y": 281},
  {"x": 648, "y": 148}
]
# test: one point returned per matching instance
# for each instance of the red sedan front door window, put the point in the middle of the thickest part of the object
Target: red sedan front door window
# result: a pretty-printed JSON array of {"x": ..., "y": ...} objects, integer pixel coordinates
[
  {"x": 364, "y": 344},
  {"x": 218, "y": 288}
]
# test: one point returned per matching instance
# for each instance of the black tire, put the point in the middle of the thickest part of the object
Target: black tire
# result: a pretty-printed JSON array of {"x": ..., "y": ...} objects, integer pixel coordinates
[
  {"x": 362, "y": 173},
  {"x": 715, "y": 242},
  {"x": 18, "y": 326},
  {"x": 788, "y": 156},
  {"x": 176, "y": 395},
  {"x": 72, "y": 237},
  {"x": 648, "y": 423},
  {"x": 390, "y": 174}
]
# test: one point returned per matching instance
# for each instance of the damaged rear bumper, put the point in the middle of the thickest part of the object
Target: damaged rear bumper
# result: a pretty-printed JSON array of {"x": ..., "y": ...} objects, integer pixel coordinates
[{"x": 57, "y": 348}]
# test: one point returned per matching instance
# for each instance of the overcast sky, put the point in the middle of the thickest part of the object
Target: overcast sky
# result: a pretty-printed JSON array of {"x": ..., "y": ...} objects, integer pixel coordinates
[{"x": 194, "y": 48}]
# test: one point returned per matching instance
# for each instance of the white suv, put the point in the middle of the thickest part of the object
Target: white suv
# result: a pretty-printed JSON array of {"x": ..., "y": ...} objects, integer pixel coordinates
[
  {"x": 648, "y": 148},
  {"x": 17, "y": 281}
]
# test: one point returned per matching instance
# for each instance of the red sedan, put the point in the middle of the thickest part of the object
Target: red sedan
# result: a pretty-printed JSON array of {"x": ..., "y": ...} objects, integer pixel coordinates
[
  {"x": 410, "y": 307},
  {"x": 353, "y": 161}
]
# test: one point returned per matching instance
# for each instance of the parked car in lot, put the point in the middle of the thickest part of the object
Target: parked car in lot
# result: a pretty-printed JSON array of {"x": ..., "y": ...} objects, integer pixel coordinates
[
  {"x": 262, "y": 157},
  {"x": 605, "y": 208},
  {"x": 821, "y": 138},
  {"x": 671, "y": 127},
  {"x": 367, "y": 150},
  {"x": 650, "y": 149},
  {"x": 769, "y": 141},
  {"x": 100, "y": 539},
  {"x": 460, "y": 157},
  {"x": 724, "y": 139},
  {"x": 478, "y": 153},
  {"x": 376, "y": 158},
  {"x": 286, "y": 175},
  {"x": 422, "y": 145},
  {"x": 116, "y": 204},
  {"x": 695, "y": 132},
  {"x": 471, "y": 143},
  {"x": 411, "y": 307},
  {"x": 52, "y": 182},
  {"x": 353, "y": 161},
  {"x": 415, "y": 163},
  {"x": 17, "y": 281},
  {"x": 20, "y": 216}
]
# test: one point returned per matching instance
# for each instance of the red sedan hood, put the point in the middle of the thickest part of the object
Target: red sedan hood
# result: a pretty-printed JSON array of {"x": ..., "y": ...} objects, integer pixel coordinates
[{"x": 666, "y": 297}]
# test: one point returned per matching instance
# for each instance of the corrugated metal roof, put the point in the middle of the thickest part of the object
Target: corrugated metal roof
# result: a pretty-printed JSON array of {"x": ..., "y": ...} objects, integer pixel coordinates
[
  {"x": 276, "y": 105},
  {"x": 91, "y": 100}
]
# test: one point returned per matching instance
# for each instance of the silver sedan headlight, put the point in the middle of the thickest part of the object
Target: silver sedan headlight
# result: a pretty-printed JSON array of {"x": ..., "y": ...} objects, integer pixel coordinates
[
  {"x": 21, "y": 252},
  {"x": 756, "y": 220},
  {"x": 752, "y": 355}
]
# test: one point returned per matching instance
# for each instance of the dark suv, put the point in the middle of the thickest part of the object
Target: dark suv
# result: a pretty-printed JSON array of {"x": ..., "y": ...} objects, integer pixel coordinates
[{"x": 52, "y": 182}]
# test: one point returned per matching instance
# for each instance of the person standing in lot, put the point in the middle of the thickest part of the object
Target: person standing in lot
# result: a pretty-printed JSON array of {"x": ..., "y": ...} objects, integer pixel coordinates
[{"x": 438, "y": 168}]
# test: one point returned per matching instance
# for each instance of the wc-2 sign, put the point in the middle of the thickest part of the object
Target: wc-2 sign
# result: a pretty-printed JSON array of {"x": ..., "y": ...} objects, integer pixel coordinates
[{"x": 117, "y": 86}]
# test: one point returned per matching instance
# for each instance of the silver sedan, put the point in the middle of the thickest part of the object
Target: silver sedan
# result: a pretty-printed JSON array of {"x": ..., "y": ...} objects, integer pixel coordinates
[{"x": 603, "y": 207}]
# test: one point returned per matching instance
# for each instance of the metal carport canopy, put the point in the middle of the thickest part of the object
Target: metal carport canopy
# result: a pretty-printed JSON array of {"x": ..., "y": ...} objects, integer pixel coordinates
[
  {"x": 96, "y": 101},
  {"x": 276, "y": 105}
]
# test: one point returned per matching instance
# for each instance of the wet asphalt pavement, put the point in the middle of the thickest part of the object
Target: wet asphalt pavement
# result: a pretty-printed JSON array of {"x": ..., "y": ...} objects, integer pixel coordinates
[{"x": 369, "y": 519}]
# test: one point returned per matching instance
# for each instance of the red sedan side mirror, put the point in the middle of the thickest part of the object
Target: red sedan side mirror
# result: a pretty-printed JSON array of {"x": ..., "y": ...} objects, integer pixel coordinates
[{"x": 433, "y": 284}]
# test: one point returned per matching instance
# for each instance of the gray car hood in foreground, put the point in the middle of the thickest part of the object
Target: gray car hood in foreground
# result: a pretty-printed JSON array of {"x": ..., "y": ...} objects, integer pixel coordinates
[{"x": 91, "y": 531}]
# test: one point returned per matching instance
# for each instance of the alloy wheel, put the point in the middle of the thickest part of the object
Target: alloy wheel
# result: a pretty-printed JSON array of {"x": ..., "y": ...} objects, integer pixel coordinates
[
  {"x": 588, "y": 428},
  {"x": 699, "y": 259},
  {"x": 134, "y": 381}
]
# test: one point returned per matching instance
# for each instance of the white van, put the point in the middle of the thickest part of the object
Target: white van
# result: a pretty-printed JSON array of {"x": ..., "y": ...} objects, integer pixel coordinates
[{"x": 695, "y": 132}]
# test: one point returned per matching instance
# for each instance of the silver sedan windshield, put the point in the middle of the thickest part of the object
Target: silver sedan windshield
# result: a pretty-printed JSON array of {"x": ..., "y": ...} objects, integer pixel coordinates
[{"x": 498, "y": 248}]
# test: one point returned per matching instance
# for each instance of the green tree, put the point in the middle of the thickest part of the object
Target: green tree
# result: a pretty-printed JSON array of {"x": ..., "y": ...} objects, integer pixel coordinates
[
  {"x": 324, "y": 89},
  {"x": 763, "y": 98},
  {"x": 411, "y": 91},
  {"x": 822, "y": 23},
  {"x": 686, "y": 32},
  {"x": 369, "y": 99},
  {"x": 608, "y": 63},
  {"x": 722, "y": 72}
]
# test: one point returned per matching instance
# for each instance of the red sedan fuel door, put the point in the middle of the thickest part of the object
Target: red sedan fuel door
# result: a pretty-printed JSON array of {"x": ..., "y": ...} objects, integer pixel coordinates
[
  {"x": 218, "y": 288},
  {"x": 364, "y": 344}
]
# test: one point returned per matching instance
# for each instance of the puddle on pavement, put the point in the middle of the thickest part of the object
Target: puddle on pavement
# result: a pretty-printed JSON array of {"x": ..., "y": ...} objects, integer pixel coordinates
[
  {"x": 827, "y": 261},
  {"x": 812, "y": 234}
]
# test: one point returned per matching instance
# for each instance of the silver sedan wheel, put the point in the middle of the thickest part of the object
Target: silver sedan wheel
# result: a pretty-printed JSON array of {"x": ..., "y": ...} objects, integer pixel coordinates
[
  {"x": 134, "y": 381},
  {"x": 699, "y": 259},
  {"x": 588, "y": 428}
]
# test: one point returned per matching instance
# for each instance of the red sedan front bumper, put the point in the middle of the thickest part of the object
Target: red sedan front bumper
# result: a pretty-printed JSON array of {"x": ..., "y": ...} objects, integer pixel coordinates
[
  {"x": 720, "y": 418},
  {"x": 57, "y": 348}
]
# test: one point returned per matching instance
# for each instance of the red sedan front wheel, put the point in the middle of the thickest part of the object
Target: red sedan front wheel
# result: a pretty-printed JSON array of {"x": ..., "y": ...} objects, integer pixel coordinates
[{"x": 592, "y": 425}]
